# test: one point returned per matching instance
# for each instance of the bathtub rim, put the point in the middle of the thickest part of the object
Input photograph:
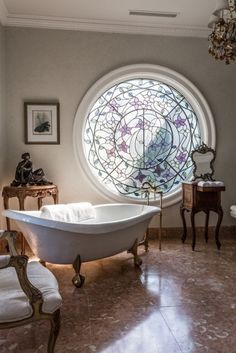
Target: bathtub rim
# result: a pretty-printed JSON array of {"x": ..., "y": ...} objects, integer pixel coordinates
[{"x": 30, "y": 217}]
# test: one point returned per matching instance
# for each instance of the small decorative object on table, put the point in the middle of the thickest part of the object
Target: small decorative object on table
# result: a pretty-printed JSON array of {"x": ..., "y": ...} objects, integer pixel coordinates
[{"x": 26, "y": 176}]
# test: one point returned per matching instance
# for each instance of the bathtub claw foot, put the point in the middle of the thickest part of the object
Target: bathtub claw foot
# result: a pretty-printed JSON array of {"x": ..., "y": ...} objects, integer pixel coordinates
[
  {"x": 78, "y": 279},
  {"x": 134, "y": 251},
  {"x": 43, "y": 263},
  {"x": 137, "y": 261}
]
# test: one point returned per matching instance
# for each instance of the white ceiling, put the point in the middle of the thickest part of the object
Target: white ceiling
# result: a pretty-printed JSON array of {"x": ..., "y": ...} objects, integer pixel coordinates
[{"x": 110, "y": 15}]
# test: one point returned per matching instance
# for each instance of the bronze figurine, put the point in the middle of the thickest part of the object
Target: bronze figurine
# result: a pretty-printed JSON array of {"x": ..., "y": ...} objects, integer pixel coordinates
[{"x": 26, "y": 176}]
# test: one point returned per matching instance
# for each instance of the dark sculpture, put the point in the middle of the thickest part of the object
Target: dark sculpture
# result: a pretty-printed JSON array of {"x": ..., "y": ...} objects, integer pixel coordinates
[{"x": 26, "y": 176}]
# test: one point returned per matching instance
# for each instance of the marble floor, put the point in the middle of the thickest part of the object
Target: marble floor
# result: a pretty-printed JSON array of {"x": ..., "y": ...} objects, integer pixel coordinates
[{"x": 178, "y": 302}]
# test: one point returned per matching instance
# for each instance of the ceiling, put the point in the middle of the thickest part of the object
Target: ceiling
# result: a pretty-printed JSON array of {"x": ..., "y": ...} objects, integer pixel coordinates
[{"x": 110, "y": 15}]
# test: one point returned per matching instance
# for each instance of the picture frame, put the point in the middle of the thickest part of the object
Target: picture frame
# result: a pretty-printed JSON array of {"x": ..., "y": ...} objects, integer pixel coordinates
[{"x": 42, "y": 123}]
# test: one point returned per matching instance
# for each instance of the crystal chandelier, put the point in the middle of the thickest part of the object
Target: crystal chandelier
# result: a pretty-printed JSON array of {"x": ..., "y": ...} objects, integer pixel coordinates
[{"x": 223, "y": 37}]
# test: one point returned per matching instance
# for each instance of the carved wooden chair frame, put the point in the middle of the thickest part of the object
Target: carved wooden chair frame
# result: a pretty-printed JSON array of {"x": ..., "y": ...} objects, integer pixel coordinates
[{"x": 19, "y": 262}]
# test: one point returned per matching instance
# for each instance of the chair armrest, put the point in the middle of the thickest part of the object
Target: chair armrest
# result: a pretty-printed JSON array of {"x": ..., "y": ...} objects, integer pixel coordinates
[
  {"x": 19, "y": 262},
  {"x": 10, "y": 236}
]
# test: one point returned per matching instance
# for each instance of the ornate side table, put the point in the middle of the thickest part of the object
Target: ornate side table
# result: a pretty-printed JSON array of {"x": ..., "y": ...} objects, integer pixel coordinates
[
  {"x": 21, "y": 192},
  {"x": 196, "y": 199}
]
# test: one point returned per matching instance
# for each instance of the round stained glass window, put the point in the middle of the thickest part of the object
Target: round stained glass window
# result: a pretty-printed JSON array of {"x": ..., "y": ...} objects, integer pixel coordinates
[{"x": 141, "y": 129}]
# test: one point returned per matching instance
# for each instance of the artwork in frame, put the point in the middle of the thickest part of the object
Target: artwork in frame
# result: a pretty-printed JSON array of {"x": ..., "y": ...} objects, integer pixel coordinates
[{"x": 42, "y": 123}]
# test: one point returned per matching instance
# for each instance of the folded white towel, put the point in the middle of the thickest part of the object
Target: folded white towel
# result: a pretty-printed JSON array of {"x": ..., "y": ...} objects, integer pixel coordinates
[
  {"x": 233, "y": 214},
  {"x": 81, "y": 211},
  {"x": 233, "y": 208},
  {"x": 72, "y": 212},
  {"x": 58, "y": 212},
  {"x": 219, "y": 183},
  {"x": 210, "y": 183}
]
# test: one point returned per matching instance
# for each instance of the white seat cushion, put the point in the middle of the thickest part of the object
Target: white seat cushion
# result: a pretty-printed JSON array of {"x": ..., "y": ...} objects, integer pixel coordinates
[
  {"x": 14, "y": 304},
  {"x": 4, "y": 260}
]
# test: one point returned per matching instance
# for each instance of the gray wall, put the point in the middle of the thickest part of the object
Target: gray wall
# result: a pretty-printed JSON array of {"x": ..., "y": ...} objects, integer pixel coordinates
[
  {"x": 2, "y": 107},
  {"x": 2, "y": 103},
  {"x": 62, "y": 65}
]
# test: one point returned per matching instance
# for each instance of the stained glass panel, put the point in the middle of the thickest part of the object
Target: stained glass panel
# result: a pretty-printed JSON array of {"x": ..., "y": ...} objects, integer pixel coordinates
[{"x": 141, "y": 130}]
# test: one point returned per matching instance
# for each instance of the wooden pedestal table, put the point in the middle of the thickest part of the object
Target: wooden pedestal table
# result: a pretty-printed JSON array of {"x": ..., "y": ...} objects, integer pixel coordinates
[
  {"x": 196, "y": 199},
  {"x": 21, "y": 192}
]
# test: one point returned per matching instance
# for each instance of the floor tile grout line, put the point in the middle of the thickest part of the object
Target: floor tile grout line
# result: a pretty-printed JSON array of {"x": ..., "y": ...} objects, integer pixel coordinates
[
  {"x": 175, "y": 339},
  {"x": 90, "y": 329}
]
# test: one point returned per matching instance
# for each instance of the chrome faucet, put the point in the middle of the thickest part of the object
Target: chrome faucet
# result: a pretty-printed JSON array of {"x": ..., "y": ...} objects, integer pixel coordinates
[{"x": 148, "y": 189}]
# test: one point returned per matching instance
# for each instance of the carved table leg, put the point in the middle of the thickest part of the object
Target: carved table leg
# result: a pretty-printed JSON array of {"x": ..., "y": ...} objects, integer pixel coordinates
[
  {"x": 6, "y": 206},
  {"x": 206, "y": 225},
  {"x": 193, "y": 229},
  {"x": 40, "y": 202},
  {"x": 55, "y": 198},
  {"x": 134, "y": 251},
  {"x": 78, "y": 279},
  {"x": 220, "y": 217},
  {"x": 21, "y": 199},
  {"x": 184, "y": 236}
]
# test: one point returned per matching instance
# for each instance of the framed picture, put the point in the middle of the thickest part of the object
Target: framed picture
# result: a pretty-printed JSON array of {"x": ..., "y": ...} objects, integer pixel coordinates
[{"x": 42, "y": 123}]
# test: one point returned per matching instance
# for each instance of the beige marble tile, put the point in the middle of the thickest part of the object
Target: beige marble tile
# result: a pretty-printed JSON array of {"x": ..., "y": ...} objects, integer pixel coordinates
[{"x": 203, "y": 328}]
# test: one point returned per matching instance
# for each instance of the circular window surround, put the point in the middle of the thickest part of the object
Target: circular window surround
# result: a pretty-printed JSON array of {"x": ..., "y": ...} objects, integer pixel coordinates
[{"x": 148, "y": 71}]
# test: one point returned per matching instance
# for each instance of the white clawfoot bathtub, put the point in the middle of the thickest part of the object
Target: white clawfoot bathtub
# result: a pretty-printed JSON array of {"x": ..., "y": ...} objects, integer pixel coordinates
[{"x": 115, "y": 228}]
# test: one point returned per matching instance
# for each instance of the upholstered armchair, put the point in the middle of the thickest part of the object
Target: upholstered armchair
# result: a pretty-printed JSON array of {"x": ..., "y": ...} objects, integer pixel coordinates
[{"x": 28, "y": 292}]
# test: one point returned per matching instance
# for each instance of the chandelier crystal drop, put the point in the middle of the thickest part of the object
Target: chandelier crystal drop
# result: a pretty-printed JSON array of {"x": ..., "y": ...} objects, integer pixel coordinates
[{"x": 222, "y": 40}]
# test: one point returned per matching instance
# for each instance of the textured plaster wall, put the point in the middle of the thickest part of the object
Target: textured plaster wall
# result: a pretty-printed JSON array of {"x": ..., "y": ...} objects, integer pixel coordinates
[
  {"x": 2, "y": 103},
  {"x": 2, "y": 110},
  {"x": 62, "y": 65}
]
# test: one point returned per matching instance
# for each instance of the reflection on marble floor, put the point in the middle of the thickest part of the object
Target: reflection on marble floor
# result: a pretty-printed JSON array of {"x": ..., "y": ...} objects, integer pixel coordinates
[{"x": 180, "y": 301}]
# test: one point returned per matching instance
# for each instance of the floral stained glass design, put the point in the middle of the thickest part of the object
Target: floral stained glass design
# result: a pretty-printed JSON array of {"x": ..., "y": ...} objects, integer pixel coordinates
[{"x": 141, "y": 130}]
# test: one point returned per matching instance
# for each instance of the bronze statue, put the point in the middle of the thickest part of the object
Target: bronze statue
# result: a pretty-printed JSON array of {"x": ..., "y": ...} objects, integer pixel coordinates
[{"x": 26, "y": 176}]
